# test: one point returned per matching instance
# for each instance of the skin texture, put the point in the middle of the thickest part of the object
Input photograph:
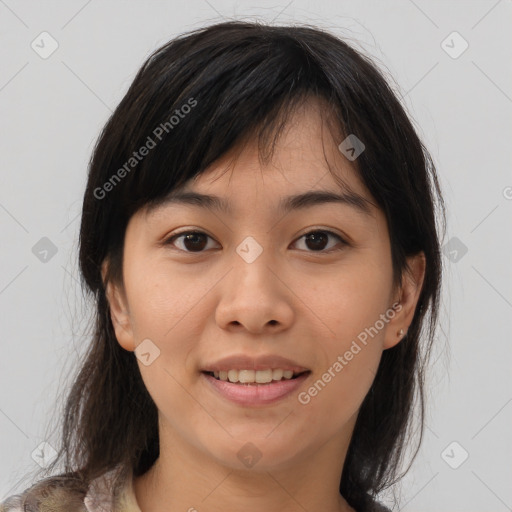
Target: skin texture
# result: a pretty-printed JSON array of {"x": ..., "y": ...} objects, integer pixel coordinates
[{"x": 295, "y": 300}]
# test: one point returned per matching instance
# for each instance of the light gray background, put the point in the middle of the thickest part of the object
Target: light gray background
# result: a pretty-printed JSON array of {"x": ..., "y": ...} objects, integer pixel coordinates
[{"x": 53, "y": 109}]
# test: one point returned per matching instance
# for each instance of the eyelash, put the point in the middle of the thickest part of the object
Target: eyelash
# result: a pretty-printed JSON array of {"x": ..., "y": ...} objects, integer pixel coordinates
[{"x": 170, "y": 240}]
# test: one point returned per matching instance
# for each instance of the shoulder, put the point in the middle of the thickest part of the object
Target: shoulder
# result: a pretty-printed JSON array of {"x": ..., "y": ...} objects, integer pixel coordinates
[
  {"x": 53, "y": 493},
  {"x": 66, "y": 493},
  {"x": 11, "y": 504}
]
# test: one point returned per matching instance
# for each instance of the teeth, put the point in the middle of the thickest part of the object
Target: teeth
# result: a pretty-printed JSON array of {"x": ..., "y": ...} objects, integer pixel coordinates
[
  {"x": 278, "y": 374},
  {"x": 252, "y": 376}
]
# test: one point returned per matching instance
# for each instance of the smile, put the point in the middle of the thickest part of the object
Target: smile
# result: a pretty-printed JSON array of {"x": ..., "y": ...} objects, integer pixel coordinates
[
  {"x": 254, "y": 376},
  {"x": 248, "y": 393}
]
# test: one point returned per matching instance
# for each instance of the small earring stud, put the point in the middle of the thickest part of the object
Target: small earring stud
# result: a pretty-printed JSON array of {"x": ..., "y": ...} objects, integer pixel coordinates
[{"x": 400, "y": 333}]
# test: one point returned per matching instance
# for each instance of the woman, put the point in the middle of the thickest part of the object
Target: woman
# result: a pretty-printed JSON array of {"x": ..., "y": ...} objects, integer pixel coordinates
[{"x": 259, "y": 237}]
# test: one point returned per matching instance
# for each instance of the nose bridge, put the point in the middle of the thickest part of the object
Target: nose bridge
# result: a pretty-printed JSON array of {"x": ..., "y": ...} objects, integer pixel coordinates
[
  {"x": 253, "y": 262},
  {"x": 253, "y": 295}
]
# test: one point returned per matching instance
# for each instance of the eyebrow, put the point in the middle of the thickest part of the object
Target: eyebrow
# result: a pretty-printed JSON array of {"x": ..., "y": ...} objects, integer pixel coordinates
[{"x": 293, "y": 202}]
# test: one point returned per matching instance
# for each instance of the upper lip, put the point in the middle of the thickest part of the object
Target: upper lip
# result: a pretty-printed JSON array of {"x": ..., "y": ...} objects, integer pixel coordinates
[{"x": 245, "y": 362}]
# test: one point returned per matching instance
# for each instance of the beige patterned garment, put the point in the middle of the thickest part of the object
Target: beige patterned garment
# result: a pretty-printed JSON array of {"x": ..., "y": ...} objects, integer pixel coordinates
[{"x": 100, "y": 497}]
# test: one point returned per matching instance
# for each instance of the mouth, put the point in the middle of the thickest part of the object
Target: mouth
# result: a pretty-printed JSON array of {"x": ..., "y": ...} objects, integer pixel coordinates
[
  {"x": 254, "y": 394},
  {"x": 254, "y": 380}
]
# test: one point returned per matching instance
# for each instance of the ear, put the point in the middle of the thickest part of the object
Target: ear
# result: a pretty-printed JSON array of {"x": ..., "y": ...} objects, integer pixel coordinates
[
  {"x": 406, "y": 300},
  {"x": 119, "y": 312}
]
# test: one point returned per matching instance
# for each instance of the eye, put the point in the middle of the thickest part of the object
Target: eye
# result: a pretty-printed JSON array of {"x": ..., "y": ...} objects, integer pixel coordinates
[
  {"x": 193, "y": 241},
  {"x": 317, "y": 239},
  {"x": 197, "y": 241}
]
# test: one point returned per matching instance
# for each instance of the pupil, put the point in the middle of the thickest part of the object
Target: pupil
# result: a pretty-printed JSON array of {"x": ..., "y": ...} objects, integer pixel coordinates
[
  {"x": 193, "y": 238},
  {"x": 316, "y": 238}
]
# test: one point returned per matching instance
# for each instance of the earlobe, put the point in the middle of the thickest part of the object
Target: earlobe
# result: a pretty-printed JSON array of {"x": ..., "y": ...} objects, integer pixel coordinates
[
  {"x": 409, "y": 293},
  {"x": 119, "y": 313}
]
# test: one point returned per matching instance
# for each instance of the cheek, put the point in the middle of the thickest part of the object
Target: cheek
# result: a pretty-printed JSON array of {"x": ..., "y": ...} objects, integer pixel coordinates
[
  {"x": 353, "y": 315},
  {"x": 163, "y": 301},
  {"x": 350, "y": 301},
  {"x": 350, "y": 352},
  {"x": 170, "y": 310}
]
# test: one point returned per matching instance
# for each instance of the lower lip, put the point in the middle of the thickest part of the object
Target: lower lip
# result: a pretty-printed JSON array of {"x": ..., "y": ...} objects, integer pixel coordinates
[{"x": 256, "y": 394}]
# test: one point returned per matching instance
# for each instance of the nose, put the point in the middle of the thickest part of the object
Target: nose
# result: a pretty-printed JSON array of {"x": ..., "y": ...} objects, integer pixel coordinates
[{"x": 254, "y": 297}]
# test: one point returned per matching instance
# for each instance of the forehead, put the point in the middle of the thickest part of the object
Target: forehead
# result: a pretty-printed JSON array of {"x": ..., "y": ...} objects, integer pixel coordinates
[{"x": 306, "y": 167}]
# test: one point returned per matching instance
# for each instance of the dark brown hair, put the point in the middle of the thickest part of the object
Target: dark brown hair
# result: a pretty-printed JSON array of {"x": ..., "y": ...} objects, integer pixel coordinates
[{"x": 242, "y": 80}]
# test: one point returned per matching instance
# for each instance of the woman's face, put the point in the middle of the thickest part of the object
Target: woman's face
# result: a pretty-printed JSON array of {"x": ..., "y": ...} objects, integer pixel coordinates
[{"x": 254, "y": 284}]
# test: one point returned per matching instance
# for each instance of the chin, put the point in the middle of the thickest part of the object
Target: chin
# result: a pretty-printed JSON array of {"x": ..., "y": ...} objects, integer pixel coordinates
[{"x": 253, "y": 453}]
